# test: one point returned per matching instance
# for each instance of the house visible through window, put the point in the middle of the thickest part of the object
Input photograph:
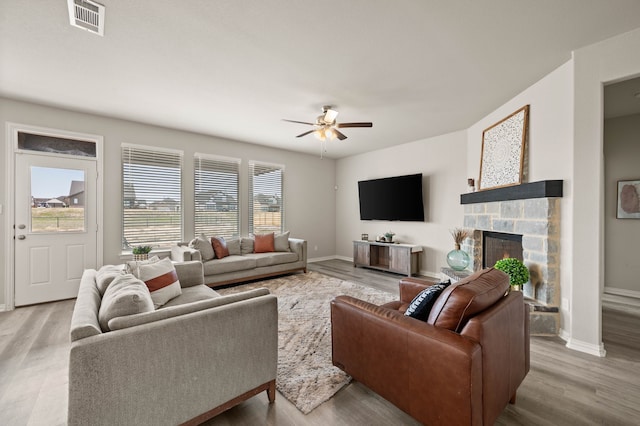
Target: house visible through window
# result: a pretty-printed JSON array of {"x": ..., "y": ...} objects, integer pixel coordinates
[
  {"x": 151, "y": 196},
  {"x": 216, "y": 196},
  {"x": 266, "y": 204}
]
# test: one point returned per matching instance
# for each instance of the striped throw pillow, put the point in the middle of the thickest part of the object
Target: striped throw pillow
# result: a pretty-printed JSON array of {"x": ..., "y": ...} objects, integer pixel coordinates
[{"x": 162, "y": 280}]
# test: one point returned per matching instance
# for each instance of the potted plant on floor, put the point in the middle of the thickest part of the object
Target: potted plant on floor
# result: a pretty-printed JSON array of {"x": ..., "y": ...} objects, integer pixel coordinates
[
  {"x": 517, "y": 271},
  {"x": 141, "y": 252}
]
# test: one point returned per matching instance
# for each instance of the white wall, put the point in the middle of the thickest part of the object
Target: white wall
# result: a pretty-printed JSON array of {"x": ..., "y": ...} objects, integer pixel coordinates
[
  {"x": 622, "y": 160},
  {"x": 550, "y": 152},
  {"x": 308, "y": 180},
  {"x": 442, "y": 162},
  {"x": 608, "y": 61}
]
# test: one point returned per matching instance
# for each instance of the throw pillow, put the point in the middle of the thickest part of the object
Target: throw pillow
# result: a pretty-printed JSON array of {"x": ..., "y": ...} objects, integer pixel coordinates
[
  {"x": 421, "y": 305},
  {"x": 281, "y": 242},
  {"x": 220, "y": 247},
  {"x": 162, "y": 280},
  {"x": 203, "y": 245},
  {"x": 105, "y": 275},
  {"x": 134, "y": 265},
  {"x": 264, "y": 243},
  {"x": 246, "y": 245},
  {"x": 233, "y": 245},
  {"x": 126, "y": 295}
]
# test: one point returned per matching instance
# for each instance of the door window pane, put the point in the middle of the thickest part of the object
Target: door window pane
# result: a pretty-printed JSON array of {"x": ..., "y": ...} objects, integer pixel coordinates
[
  {"x": 43, "y": 143},
  {"x": 57, "y": 200}
]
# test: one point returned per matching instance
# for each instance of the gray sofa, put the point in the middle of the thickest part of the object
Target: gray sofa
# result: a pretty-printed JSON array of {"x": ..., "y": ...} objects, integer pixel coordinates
[
  {"x": 246, "y": 265},
  {"x": 183, "y": 363}
]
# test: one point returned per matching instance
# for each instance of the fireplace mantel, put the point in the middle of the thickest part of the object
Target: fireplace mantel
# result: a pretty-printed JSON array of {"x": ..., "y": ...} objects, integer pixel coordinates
[{"x": 541, "y": 189}]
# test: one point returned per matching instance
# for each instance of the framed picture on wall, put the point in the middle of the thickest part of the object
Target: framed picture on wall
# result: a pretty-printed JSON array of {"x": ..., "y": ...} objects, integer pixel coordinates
[
  {"x": 503, "y": 149},
  {"x": 628, "y": 199}
]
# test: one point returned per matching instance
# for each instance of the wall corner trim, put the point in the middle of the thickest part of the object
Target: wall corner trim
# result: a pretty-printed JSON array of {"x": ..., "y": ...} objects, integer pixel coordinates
[{"x": 588, "y": 348}]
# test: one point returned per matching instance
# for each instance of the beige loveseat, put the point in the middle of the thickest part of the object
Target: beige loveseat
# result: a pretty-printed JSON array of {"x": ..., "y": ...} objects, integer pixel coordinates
[
  {"x": 198, "y": 355},
  {"x": 243, "y": 264}
]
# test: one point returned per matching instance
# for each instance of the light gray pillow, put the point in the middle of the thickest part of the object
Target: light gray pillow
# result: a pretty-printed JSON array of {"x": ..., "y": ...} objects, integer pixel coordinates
[
  {"x": 246, "y": 245},
  {"x": 234, "y": 246},
  {"x": 126, "y": 295},
  {"x": 105, "y": 275},
  {"x": 281, "y": 241},
  {"x": 203, "y": 245},
  {"x": 133, "y": 266}
]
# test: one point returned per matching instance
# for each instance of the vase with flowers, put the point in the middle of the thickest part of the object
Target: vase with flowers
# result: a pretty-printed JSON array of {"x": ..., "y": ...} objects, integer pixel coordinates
[
  {"x": 388, "y": 236},
  {"x": 458, "y": 259}
]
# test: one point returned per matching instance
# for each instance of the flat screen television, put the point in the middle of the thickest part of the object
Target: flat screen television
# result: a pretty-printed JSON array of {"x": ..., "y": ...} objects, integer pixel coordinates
[{"x": 393, "y": 198}]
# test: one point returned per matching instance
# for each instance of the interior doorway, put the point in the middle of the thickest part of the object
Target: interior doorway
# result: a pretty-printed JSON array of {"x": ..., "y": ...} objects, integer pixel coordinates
[{"x": 56, "y": 197}]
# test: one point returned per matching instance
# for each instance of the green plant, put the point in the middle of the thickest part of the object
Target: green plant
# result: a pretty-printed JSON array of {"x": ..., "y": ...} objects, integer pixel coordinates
[
  {"x": 142, "y": 249},
  {"x": 389, "y": 234},
  {"x": 518, "y": 273}
]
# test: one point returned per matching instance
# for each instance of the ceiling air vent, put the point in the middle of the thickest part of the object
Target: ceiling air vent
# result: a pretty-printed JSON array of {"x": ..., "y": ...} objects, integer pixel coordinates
[{"x": 87, "y": 14}]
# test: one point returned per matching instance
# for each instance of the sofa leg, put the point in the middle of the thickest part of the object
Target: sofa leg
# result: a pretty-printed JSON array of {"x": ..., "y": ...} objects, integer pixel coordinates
[
  {"x": 513, "y": 399},
  {"x": 271, "y": 391}
]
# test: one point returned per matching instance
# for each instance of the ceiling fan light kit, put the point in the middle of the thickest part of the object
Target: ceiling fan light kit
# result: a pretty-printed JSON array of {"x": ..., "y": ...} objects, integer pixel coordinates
[{"x": 326, "y": 127}]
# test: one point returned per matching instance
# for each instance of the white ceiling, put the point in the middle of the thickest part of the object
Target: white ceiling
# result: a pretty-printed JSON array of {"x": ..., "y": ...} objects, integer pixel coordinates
[{"x": 234, "y": 69}]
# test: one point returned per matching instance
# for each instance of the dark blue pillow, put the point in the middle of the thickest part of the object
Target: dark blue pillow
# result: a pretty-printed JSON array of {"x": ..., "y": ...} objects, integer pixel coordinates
[{"x": 421, "y": 305}]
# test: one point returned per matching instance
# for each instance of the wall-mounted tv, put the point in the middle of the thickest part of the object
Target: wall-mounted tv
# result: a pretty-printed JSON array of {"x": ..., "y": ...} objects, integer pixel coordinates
[{"x": 392, "y": 198}]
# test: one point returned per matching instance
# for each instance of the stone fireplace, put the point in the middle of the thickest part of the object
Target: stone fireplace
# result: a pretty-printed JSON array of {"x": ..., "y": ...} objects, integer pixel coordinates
[{"x": 527, "y": 218}]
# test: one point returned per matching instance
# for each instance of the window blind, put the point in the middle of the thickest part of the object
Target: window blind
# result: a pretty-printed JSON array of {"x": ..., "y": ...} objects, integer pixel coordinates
[
  {"x": 266, "y": 202},
  {"x": 151, "y": 197},
  {"x": 217, "y": 211}
]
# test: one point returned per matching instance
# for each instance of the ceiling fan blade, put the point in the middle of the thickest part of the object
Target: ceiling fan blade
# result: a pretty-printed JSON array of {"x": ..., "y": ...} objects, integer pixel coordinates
[
  {"x": 343, "y": 125},
  {"x": 339, "y": 134},
  {"x": 305, "y": 133},
  {"x": 299, "y": 122}
]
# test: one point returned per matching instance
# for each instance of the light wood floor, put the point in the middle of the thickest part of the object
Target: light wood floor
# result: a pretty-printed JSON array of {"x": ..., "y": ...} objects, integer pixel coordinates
[{"x": 564, "y": 387}]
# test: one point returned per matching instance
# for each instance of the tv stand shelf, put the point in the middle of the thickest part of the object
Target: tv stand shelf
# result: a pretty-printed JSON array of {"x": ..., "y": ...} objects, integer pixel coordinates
[{"x": 398, "y": 258}]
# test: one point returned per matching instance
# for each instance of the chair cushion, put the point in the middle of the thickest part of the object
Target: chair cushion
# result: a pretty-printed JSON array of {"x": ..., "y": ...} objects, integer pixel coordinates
[
  {"x": 192, "y": 294},
  {"x": 203, "y": 245},
  {"x": 126, "y": 295},
  {"x": 468, "y": 297},
  {"x": 228, "y": 264},
  {"x": 421, "y": 305},
  {"x": 162, "y": 280}
]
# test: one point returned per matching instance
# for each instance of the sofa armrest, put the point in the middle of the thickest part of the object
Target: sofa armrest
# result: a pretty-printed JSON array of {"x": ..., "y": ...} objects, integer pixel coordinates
[
  {"x": 207, "y": 358},
  {"x": 183, "y": 253},
  {"x": 408, "y": 362},
  {"x": 299, "y": 246},
  {"x": 190, "y": 273}
]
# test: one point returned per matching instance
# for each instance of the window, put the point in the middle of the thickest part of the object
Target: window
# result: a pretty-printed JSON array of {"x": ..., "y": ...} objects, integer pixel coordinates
[
  {"x": 266, "y": 205},
  {"x": 216, "y": 196},
  {"x": 151, "y": 196}
]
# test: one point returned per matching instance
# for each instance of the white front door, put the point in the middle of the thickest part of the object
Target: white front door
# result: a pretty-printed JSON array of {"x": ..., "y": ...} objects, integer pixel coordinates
[{"x": 55, "y": 226}]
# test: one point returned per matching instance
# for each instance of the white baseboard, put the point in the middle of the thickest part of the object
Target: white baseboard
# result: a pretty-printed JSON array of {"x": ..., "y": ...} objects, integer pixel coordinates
[
  {"x": 564, "y": 335},
  {"x": 345, "y": 258},
  {"x": 3, "y": 308},
  {"x": 589, "y": 348},
  {"x": 322, "y": 259},
  {"x": 622, "y": 292}
]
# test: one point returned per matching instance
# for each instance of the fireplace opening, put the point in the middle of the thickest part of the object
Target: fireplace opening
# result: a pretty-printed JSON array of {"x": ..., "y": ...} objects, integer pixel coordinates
[{"x": 498, "y": 245}]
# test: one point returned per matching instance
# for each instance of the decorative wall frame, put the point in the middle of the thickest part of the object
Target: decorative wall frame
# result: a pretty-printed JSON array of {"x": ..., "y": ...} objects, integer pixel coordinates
[
  {"x": 503, "y": 150},
  {"x": 628, "y": 206}
]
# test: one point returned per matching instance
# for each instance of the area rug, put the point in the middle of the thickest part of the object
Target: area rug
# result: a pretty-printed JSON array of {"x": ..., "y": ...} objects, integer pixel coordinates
[{"x": 306, "y": 376}]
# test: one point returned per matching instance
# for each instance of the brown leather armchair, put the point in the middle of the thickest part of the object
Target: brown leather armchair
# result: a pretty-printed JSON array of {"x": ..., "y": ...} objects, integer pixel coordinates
[{"x": 460, "y": 367}]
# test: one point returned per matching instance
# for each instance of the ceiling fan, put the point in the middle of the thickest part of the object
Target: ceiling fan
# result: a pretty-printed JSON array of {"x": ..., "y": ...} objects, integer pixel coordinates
[{"x": 326, "y": 128}]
